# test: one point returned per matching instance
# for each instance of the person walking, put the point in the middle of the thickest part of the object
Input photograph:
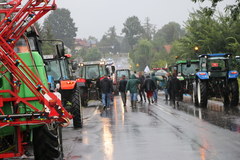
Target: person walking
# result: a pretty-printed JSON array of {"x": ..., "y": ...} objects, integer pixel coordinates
[
  {"x": 174, "y": 88},
  {"x": 155, "y": 93},
  {"x": 122, "y": 89},
  {"x": 164, "y": 85},
  {"x": 132, "y": 86},
  {"x": 141, "y": 90},
  {"x": 169, "y": 75},
  {"x": 149, "y": 86},
  {"x": 106, "y": 90}
]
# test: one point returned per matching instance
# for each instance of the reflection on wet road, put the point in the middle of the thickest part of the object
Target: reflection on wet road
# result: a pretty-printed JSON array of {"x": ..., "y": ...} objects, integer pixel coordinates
[{"x": 153, "y": 132}]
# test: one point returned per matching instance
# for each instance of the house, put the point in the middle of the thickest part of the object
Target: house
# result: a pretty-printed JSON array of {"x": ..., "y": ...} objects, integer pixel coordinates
[
  {"x": 168, "y": 48},
  {"x": 81, "y": 43}
]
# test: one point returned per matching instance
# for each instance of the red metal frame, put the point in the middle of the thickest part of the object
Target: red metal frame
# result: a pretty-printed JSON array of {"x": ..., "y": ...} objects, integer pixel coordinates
[{"x": 17, "y": 19}]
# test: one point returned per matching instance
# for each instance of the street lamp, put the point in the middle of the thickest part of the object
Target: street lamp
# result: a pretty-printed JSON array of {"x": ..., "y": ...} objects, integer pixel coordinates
[{"x": 196, "y": 49}]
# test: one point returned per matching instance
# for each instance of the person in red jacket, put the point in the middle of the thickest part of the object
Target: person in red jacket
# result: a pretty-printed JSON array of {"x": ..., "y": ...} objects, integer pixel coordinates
[{"x": 149, "y": 86}]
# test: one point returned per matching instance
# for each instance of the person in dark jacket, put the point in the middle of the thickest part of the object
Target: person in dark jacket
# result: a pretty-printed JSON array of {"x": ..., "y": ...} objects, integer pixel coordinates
[
  {"x": 132, "y": 86},
  {"x": 106, "y": 89},
  {"x": 174, "y": 88},
  {"x": 169, "y": 75},
  {"x": 122, "y": 89},
  {"x": 149, "y": 87},
  {"x": 141, "y": 90}
]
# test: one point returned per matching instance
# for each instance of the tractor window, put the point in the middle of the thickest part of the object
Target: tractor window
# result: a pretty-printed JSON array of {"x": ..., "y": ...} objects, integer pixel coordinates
[
  {"x": 179, "y": 68},
  {"x": 82, "y": 72},
  {"x": 92, "y": 72},
  {"x": 21, "y": 46},
  {"x": 217, "y": 65},
  {"x": 53, "y": 69},
  {"x": 121, "y": 73},
  {"x": 65, "y": 71},
  {"x": 203, "y": 64},
  {"x": 189, "y": 70},
  {"x": 32, "y": 44},
  {"x": 102, "y": 70}
]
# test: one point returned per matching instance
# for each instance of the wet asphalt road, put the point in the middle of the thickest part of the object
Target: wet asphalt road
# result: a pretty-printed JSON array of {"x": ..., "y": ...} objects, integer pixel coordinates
[{"x": 154, "y": 132}]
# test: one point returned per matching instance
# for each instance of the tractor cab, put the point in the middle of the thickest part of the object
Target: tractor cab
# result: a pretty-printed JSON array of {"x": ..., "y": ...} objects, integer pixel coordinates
[
  {"x": 216, "y": 78},
  {"x": 93, "y": 71},
  {"x": 187, "y": 68},
  {"x": 90, "y": 74},
  {"x": 216, "y": 65},
  {"x": 61, "y": 79}
]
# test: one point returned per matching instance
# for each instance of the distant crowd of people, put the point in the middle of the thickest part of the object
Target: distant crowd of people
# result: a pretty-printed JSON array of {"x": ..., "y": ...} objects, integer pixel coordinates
[{"x": 144, "y": 86}]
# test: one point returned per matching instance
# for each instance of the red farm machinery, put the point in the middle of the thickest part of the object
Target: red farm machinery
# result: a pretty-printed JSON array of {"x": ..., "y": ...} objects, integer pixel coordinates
[{"x": 30, "y": 115}]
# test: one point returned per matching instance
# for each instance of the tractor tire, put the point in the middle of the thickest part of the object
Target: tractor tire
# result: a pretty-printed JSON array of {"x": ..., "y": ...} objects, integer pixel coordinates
[
  {"x": 233, "y": 92},
  {"x": 226, "y": 99},
  {"x": 84, "y": 98},
  {"x": 76, "y": 109},
  {"x": 194, "y": 95},
  {"x": 47, "y": 143},
  {"x": 202, "y": 95}
]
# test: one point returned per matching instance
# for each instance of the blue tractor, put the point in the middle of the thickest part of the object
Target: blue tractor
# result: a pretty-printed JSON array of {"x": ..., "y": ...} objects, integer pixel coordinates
[{"x": 216, "y": 78}]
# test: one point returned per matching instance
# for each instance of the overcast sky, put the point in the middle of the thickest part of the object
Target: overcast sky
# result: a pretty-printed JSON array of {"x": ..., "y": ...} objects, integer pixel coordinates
[{"x": 95, "y": 17}]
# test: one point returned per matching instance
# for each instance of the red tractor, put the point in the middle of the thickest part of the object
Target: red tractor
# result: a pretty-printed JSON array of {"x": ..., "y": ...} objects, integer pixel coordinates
[{"x": 60, "y": 77}]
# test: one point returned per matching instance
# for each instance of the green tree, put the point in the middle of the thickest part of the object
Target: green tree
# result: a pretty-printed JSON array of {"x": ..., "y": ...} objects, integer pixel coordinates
[
  {"x": 91, "y": 54},
  {"x": 211, "y": 35},
  {"x": 61, "y": 26},
  {"x": 234, "y": 8},
  {"x": 91, "y": 38},
  {"x": 149, "y": 29},
  {"x": 142, "y": 54},
  {"x": 133, "y": 30},
  {"x": 167, "y": 35},
  {"x": 170, "y": 32},
  {"x": 109, "y": 41}
]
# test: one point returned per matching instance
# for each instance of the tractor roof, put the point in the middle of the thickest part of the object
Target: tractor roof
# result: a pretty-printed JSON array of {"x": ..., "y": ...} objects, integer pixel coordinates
[
  {"x": 185, "y": 61},
  {"x": 216, "y": 55},
  {"x": 93, "y": 63}
]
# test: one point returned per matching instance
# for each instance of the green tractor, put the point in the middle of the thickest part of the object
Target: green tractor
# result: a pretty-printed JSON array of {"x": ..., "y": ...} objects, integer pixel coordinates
[
  {"x": 21, "y": 107},
  {"x": 31, "y": 116},
  {"x": 216, "y": 78},
  {"x": 186, "y": 70}
]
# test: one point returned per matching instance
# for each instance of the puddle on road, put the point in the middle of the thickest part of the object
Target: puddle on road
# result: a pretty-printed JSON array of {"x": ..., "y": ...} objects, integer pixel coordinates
[{"x": 214, "y": 114}]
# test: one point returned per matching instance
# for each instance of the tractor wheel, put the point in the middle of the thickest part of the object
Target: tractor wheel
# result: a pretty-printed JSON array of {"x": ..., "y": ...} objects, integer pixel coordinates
[
  {"x": 194, "y": 95},
  {"x": 47, "y": 142},
  {"x": 84, "y": 98},
  {"x": 202, "y": 94},
  {"x": 233, "y": 92},
  {"x": 76, "y": 109},
  {"x": 226, "y": 97}
]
